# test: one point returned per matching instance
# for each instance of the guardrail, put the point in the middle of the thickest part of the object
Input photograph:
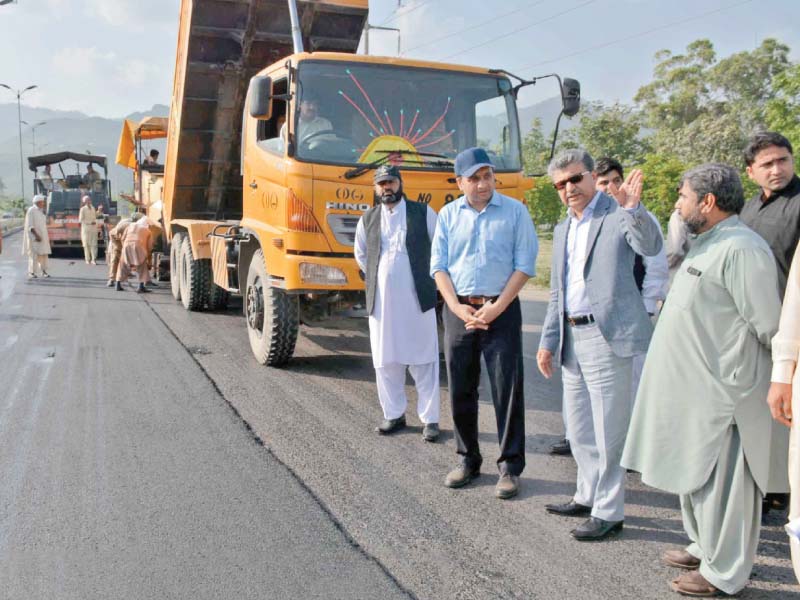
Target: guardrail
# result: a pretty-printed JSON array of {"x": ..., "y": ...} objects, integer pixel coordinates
[{"x": 10, "y": 224}]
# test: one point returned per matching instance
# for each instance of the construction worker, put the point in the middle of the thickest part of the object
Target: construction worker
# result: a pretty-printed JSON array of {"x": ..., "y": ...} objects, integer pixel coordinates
[
  {"x": 87, "y": 217},
  {"x": 115, "y": 248},
  {"x": 137, "y": 242}
]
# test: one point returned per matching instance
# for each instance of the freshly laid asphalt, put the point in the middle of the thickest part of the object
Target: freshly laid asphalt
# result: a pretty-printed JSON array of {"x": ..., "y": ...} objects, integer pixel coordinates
[
  {"x": 125, "y": 474},
  {"x": 145, "y": 454}
]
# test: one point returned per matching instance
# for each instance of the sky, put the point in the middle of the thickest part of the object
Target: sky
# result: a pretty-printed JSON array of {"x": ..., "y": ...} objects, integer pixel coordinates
[{"x": 113, "y": 57}]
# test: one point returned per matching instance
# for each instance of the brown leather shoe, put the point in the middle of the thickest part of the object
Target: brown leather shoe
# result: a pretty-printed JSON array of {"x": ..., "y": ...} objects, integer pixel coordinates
[
  {"x": 693, "y": 584},
  {"x": 681, "y": 559},
  {"x": 461, "y": 476},
  {"x": 507, "y": 486}
]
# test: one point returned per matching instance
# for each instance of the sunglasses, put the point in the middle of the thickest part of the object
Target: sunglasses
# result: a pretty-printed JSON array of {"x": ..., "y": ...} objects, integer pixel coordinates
[{"x": 574, "y": 180}]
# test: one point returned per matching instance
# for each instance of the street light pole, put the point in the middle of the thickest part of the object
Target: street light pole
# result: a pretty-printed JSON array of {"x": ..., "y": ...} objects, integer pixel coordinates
[
  {"x": 33, "y": 132},
  {"x": 19, "y": 121}
]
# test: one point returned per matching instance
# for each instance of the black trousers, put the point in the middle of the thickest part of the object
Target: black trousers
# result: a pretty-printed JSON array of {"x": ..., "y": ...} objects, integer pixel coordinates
[{"x": 501, "y": 347}]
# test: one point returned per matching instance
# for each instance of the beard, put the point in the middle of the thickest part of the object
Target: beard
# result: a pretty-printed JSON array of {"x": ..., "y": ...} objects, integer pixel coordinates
[
  {"x": 389, "y": 197},
  {"x": 695, "y": 223}
]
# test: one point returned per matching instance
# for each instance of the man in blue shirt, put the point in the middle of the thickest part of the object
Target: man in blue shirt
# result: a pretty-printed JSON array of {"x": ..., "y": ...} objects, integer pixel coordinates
[{"x": 483, "y": 252}]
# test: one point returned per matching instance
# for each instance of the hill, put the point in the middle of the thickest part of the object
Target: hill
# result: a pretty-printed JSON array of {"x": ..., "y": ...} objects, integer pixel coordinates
[
  {"x": 73, "y": 130},
  {"x": 63, "y": 130}
]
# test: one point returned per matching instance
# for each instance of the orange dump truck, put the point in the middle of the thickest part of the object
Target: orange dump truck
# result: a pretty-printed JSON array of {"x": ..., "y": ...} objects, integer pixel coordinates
[
  {"x": 148, "y": 178},
  {"x": 275, "y": 128}
]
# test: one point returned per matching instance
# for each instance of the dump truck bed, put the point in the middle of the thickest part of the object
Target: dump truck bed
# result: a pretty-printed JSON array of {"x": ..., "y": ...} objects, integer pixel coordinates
[{"x": 221, "y": 45}]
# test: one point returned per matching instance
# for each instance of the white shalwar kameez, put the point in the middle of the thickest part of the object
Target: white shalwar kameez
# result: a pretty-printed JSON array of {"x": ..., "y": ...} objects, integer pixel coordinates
[
  {"x": 400, "y": 334},
  {"x": 36, "y": 251}
]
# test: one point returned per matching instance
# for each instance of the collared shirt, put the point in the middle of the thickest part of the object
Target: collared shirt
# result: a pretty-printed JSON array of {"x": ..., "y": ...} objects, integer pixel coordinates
[
  {"x": 708, "y": 365},
  {"x": 481, "y": 250},
  {"x": 577, "y": 303},
  {"x": 777, "y": 220}
]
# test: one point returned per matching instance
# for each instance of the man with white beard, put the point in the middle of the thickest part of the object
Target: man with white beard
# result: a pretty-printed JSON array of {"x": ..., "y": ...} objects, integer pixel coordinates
[{"x": 36, "y": 241}]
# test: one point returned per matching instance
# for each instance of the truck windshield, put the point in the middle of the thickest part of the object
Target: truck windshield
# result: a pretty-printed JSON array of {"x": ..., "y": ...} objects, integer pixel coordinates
[{"x": 357, "y": 114}]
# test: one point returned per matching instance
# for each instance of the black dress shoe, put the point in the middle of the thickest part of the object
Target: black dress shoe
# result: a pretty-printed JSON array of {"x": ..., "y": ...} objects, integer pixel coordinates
[
  {"x": 561, "y": 448},
  {"x": 430, "y": 432},
  {"x": 594, "y": 529},
  {"x": 391, "y": 425},
  {"x": 570, "y": 509}
]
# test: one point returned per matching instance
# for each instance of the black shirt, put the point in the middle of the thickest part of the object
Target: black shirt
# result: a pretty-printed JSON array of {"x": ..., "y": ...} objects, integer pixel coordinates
[{"x": 777, "y": 220}]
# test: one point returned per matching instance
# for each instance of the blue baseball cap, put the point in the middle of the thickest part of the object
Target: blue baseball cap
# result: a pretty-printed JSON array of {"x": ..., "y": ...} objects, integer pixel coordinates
[{"x": 471, "y": 160}]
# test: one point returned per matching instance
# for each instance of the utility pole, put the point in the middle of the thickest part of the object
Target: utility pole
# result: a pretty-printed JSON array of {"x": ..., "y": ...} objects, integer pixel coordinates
[
  {"x": 33, "y": 132},
  {"x": 368, "y": 28},
  {"x": 19, "y": 121}
]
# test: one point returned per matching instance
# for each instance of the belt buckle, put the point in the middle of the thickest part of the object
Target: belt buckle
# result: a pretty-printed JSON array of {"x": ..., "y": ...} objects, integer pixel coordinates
[{"x": 476, "y": 300}]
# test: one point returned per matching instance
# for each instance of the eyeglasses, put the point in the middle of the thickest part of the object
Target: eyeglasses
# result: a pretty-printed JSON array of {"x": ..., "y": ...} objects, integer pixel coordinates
[{"x": 574, "y": 180}]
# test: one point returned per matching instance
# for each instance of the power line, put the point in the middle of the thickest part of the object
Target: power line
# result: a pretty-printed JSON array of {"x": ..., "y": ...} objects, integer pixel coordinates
[
  {"x": 481, "y": 24},
  {"x": 505, "y": 35},
  {"x": 632, "y": 37},
  {"x": 397, "y": 14}
]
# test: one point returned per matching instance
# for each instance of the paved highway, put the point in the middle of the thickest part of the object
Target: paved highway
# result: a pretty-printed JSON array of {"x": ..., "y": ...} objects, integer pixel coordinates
[{"x": 144, "y": 454}]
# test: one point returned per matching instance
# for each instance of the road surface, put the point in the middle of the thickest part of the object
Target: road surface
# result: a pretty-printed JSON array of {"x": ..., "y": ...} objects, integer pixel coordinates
[{"x": 144, "y": 453}]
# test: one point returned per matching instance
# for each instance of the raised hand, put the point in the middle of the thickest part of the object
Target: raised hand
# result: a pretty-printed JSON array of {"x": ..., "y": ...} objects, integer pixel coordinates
[{"x": 629, "y": 194}]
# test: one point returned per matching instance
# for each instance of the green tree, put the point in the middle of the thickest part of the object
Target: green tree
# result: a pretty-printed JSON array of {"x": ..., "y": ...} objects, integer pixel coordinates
[
  {"x": 614, "y": 130},
  {"x": 783, "y": 109},
  {"x": 543, "y": 202},
  {"x": 662, "y": 173},
  {"x": 701, "y": 109},
  {"x": 744, "y": 81},
  {"x": 535, "y": 149}
]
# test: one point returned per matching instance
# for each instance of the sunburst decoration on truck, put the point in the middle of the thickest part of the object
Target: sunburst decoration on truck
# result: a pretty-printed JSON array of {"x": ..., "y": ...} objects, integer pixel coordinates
[{"x": 387, "y": 136}]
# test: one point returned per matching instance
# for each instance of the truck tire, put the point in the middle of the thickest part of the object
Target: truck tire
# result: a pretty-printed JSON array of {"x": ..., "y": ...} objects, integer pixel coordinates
[
  {"x": 194, "y": 278},
  {"x": 175, "y": 261},
  {"x": 217, "y": 296},
  {"x": 273, "y": 316}
]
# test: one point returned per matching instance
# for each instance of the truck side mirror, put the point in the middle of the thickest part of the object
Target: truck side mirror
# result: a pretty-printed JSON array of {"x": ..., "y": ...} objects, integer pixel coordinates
[
  {"x": 260, "y": 97},
  {"x": 570, "y": 96}
]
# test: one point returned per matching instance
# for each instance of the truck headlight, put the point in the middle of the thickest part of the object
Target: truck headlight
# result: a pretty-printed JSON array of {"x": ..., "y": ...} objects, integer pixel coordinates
[{"x": 321, "y": 274}]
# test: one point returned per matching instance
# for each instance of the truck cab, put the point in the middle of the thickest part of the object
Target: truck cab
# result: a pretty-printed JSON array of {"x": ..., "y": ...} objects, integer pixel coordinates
[{"x": 307, "y": 168}]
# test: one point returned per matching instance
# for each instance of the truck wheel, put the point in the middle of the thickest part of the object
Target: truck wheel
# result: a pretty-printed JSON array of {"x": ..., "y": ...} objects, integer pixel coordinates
[
  {"x": 273, "y": 316},
  {"x": 217, "y": 297},
  {"x": 175, "y": 261},
  {"x": 194, "y": 278}
]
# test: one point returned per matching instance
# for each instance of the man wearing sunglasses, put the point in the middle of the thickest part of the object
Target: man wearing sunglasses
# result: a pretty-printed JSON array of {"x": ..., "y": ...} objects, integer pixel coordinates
[{"x": 595, "y": 324}]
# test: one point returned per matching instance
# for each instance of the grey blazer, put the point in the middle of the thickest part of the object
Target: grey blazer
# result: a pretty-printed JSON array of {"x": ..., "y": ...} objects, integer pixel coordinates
[{"x": 615, "y": 237}]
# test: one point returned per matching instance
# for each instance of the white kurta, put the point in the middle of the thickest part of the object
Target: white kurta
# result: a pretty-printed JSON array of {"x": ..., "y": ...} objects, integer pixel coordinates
[
  {"x": 399, "y": 332},
  {"x": 36, "y": 219}
]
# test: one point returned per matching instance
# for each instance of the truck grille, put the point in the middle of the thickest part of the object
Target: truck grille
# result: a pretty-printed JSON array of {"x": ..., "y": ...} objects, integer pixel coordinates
[{"x": 344, "y": 228}]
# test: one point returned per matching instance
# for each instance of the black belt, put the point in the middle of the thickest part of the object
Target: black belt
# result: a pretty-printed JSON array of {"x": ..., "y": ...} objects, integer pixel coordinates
[
  {"x": 579, "y": 320},
  {"x": 477, "y": 300}
]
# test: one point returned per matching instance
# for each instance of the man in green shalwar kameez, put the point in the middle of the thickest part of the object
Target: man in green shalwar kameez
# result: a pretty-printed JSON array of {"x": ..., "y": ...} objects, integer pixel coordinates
[{"x": 701, "y": 427}]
